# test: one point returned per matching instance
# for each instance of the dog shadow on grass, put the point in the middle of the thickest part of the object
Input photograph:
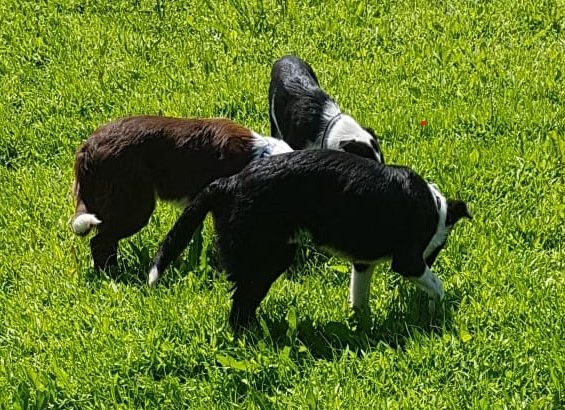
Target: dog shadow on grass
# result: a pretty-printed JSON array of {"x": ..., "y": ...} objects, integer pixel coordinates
[
  {"x": 134, "y": 262},
  {"x": 404, "y": 320},
  {"x": 407, "y": 314}
]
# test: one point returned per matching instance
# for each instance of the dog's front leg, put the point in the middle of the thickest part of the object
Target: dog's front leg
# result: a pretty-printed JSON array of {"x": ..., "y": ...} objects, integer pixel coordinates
[
  {"x": 414, "y": 269},
  {"x": 432, "y": 285},
  {"x": 360, "y": 286},
  {"x": 429, "y": 283}
]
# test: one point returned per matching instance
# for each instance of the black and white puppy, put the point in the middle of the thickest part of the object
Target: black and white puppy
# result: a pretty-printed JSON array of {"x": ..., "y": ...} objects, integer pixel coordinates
[
  {"x": 356, "y": 207},
  {"x": 304, "y": 116}
]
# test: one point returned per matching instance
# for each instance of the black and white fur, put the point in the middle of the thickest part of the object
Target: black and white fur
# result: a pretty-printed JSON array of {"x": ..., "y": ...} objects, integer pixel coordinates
[
  {"x": 304, "y": 116},
  {"x": 356, "y": 207}
]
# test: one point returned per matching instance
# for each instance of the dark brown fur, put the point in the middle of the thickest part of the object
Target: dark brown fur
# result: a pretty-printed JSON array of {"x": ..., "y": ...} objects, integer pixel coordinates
[{"x": 125, "y": 164}]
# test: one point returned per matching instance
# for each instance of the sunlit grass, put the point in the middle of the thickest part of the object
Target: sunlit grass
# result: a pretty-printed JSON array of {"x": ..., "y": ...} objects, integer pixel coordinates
[{"x": 486, "y": 76}]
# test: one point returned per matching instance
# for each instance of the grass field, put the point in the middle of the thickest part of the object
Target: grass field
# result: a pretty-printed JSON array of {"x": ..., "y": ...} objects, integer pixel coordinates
[{"x": 487, "y": 76}]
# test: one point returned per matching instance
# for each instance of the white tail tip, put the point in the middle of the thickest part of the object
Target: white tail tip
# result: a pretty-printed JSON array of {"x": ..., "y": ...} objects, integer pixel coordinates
[
  {"x": 84, "y": 223},
  {"x": 153, "y": 276}
]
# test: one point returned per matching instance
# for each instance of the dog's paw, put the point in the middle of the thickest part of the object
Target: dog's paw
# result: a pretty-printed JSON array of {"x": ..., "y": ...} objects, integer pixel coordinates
[
  {"x": 360, "y": 319},
  {"x": 435, "y": 305},
  {"x": 432, "y": 306}
]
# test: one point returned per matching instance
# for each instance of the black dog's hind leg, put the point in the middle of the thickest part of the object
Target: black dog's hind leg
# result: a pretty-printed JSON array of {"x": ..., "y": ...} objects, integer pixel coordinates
[
  {"x": 252, "y": 286},
  {"x": 246, "y": 298}
]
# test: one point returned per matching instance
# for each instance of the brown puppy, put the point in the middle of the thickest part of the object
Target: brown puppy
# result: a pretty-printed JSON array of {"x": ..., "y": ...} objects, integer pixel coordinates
[{"x": 126, "y": 164}]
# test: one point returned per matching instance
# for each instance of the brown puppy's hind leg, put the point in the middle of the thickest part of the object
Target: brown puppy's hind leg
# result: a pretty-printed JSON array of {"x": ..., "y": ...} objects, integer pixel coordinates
[
  {"x": 124, "y": 214},
  {"x": 104, "y": 251}
]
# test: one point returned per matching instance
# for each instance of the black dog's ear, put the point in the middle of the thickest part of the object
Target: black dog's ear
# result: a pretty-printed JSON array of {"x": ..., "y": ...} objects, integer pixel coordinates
[
  {"x": 456, "y": 209},
  {"x": 375, "y": 143},
  {"x": 358, "y": 148},
  {"x": 370, "y": 131}
]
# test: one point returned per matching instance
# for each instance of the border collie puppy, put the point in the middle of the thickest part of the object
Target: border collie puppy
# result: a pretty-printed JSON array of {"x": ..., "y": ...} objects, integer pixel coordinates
[
  {"x": 125, "y": 164},
  {"x": 356, "y": 207},
  {"x": 304, "y": 116}
]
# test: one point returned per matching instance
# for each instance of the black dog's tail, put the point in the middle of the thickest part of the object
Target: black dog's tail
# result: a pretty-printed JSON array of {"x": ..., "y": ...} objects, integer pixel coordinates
[{"x": 179, "y": 236}]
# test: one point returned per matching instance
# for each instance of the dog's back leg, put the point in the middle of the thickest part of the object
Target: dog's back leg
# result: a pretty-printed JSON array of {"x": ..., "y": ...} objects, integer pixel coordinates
[
  {"x": 124, "y": 213},
  {"x": 252, "y": 286},
  {"x": 247, "y": 296},
  {"x": 104, "y": 249}
]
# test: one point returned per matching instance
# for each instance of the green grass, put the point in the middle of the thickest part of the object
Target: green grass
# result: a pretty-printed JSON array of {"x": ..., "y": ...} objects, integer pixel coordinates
[{"x": 486, "y": 75}]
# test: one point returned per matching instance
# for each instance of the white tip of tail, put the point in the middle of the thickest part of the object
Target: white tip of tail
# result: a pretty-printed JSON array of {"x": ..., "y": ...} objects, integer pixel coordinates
[
  {"x": 84, "y": 223},
  {"x": 153, "y": 276}
]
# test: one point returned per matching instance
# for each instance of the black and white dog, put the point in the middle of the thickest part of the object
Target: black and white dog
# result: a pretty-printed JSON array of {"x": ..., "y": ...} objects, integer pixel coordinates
[
  {"x": 356, "y": 207},
  {"x": 304, "y": 116}
]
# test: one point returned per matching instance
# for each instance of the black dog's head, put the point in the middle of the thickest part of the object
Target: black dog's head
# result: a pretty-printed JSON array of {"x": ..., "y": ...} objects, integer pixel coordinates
[
  {"x": 456, "y": 210},
  {"x": 372, "y": 150}
]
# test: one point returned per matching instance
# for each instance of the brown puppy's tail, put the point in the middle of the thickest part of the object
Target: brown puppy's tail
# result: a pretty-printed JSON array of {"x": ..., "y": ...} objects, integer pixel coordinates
[
  {"x": 83, "y": 221},
  {"x": 179, "y": 236}
]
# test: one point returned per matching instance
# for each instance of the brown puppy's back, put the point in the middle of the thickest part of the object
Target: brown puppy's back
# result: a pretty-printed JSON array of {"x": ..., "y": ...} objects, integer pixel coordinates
[
  {"x": 126, "y": 163},
  {"x": 175, "y": 151}
]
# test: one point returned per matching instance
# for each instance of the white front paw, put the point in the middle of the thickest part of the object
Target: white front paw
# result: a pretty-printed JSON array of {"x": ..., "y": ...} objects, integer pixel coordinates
[{"x": 430, "y": 284}]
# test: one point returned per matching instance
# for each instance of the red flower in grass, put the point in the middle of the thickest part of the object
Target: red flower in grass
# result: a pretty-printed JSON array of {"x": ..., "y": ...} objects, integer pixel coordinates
[{"x": 423, "y": 123}]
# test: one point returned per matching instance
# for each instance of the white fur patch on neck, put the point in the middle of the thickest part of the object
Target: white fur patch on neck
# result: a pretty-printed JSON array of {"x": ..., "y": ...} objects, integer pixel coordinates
[
  {"x": 331, "y": 109},
  {"x": 329, "y": 112},
  {"x": 442, "y": 231},
  {"x": 268, "y": 146},
  {"x": 346, "y": 128},
  {"x": 277, "y": 146}
]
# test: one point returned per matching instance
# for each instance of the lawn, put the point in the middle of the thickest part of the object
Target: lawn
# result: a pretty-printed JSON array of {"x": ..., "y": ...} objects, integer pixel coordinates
[{"x": 485, "y": 76}]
